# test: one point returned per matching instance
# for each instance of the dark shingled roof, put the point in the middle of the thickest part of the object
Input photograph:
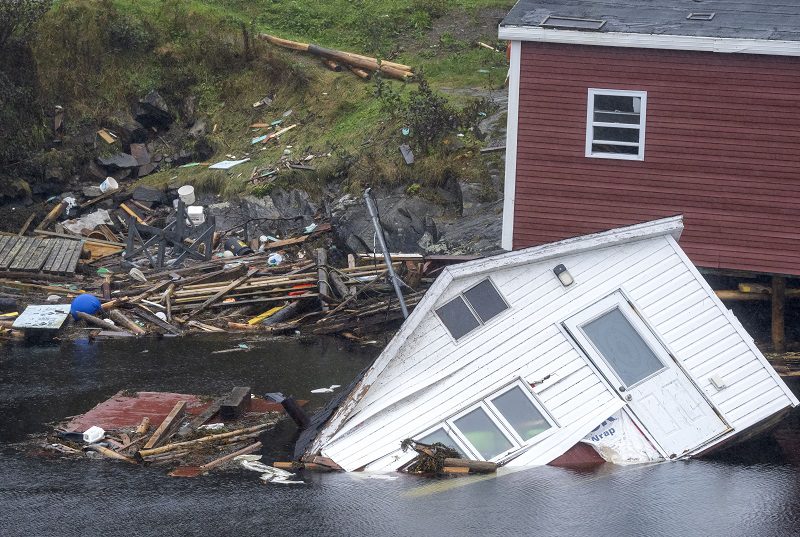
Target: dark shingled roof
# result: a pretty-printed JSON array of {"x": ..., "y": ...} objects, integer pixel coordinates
[{"x": 748, "y": 19}]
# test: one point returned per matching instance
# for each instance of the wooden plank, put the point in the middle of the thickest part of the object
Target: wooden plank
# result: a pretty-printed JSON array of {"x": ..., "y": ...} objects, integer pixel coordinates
[
  {"x": 41, "y": 256},
  {"x": 55, "y": 256},
  {"x": 4, "y": 239},
  {"x": 21, "y": 242},
  {"x": 222, "y": 292},
  {"x": 73, "y": 261},
  {"x": 236, "y": 403},
  {"x": 66, "y": 256},
  {"x": 172, "y": 420},
  {"x": 24, "y": 256},
  {"x": 9, "y": 245},
  {"x": 207, "y": 414},
  {"x": 26, "y": 225}
]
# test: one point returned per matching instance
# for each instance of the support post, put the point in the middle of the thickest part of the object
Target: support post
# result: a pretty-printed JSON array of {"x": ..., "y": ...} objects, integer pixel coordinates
[
  {"x": 778, "y": 301},
  {"x": 373, "y": 212}
]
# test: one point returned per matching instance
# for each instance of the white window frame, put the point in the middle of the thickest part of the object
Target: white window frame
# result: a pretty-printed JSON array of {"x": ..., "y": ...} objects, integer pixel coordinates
[
  {"x": 590, "y": 124},
  {"x": 499, "y": 420},
  {"x": 474, "y": 313}
]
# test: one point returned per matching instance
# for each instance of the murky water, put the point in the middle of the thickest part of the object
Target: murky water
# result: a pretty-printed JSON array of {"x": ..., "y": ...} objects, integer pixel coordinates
[{"x": 749, "y": 493}]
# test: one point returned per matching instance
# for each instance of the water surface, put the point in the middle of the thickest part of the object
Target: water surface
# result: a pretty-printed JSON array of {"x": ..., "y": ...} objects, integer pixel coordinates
[{"x": 751, "y": 492}]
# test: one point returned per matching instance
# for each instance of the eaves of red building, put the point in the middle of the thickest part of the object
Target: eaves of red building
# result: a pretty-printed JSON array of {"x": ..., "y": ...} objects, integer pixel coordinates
[{"x": 722, "y": 147}]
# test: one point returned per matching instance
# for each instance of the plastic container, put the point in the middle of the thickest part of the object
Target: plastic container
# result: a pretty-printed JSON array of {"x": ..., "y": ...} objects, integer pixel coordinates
[
  {"x": 186, "y": 194},
  {"x": 138, "y": 275},
  {"x": 109, "y": 185},
  {"x": 93, "y": 434},
  {"x": 274, "y": 259},
  {"x": 196, "y": 214},
  {"x": 237, "y": 247},
  {"x": 85, "y": 303}
]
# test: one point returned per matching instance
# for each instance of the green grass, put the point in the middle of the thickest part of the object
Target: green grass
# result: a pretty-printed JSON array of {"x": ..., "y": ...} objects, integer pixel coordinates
[{"x": 97, "y": 56}]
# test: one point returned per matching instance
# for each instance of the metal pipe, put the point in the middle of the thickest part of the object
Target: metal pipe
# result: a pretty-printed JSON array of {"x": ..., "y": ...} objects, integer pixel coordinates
[{"x": 373, "y": 212}]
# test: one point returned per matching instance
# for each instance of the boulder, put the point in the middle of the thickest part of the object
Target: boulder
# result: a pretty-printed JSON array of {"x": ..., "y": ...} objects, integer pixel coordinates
[
  {"x": 140, "y": 153},
  {"x": 91, "y": 191},
  {"x": 149, "y": 194},
  {"x": 120, "y": 161},
  {"x": 198, "y": 129},
  {"x": 132, "y": 132},
  {"x": 152, "y": 111},
  {"x": 146, "y": 169},
  {"x": 203, "y": 150}
]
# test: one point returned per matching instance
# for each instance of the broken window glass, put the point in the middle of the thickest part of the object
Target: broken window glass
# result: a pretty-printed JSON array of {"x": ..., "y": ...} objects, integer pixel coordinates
[
  {"x": 457, "y": 317},
  {"x": 483, "y": 433},
  {"x": 520, "y": 412},
  {"x": 485, "y": 300}
]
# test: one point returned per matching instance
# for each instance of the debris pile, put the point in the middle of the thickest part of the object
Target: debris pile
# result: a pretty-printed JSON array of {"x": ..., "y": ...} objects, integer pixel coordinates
[
  {"x": 194, "y": 436},
  {"x": 439, "y": 459}
]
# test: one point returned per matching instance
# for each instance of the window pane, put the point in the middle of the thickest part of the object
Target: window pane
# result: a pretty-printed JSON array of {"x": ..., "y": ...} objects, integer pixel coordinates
[
  {"x": 521, "y": 413},
  {"x": 621, "y": 149},
  {"x": 482, "y": 433},
  {"x": 457, "y": 317},
  {"x": 485, "y": 300},
  {"x": 622, "y": 347},
  {"x": 440, "y": 436},
  {"x": 616, "y": 134},
  {"x": 617, "y": 117},
  {"x": 617, "y": 103}
]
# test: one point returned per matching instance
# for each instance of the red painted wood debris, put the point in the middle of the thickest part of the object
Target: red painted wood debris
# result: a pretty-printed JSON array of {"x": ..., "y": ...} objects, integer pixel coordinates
[{"x": 125, "y": 411}]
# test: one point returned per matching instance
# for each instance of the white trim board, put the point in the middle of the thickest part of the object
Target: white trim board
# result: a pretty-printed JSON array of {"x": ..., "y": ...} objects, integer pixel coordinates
[
  {"x": 657, "y": 41},
  {"x": 510, "y": 181}
]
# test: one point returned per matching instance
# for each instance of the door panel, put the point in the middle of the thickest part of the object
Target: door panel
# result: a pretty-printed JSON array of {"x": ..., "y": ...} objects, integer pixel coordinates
[{"x": 627, "y": 353}]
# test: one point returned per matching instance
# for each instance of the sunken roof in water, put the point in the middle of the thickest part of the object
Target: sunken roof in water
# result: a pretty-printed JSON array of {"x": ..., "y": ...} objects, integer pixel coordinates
[{"x": 745, "y": 19}]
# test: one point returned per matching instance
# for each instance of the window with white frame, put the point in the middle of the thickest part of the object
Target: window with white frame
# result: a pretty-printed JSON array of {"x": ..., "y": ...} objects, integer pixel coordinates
[
  {"x": 496, "y": 425},
  {"x": 471, "y": 309},
  {"x": 615, "y": 124}
]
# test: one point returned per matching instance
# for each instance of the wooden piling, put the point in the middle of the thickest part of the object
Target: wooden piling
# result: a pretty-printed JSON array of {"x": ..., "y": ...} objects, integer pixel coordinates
[{"x": 778, "y": 303}]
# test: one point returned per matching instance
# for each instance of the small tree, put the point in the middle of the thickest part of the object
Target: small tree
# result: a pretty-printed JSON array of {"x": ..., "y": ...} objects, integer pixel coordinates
[{"x": 17, "y": 16}]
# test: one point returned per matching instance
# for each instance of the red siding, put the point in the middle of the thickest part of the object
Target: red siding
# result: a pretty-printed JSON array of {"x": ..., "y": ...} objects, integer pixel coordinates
[{"x": 722, "y": 147}]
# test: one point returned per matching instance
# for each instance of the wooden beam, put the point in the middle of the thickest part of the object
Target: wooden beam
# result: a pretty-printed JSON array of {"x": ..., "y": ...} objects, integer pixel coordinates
[
  {"x": 222, "y": 292},
  {"x": 172, "y": 419},
  {"x": 236, "y": 403},
  {"x": 778, "y": 303}
]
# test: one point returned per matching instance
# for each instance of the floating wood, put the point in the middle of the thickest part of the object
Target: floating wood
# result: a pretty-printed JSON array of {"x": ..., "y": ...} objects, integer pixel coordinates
[
  {"x": 171, "y": 421},
  {"x": 111, "y": 454},
  {"x": 120, "y": 318},
  {"x": 193, "y": 471},
  {"x": 143, "y": 426},
  {"x": 235, "y": 403},
  {"x": 204, "y": 440},
  {"x": 100, "y": 323},
  {"x": 219, "y": 294},
  {"x": 481, "y": 467}
]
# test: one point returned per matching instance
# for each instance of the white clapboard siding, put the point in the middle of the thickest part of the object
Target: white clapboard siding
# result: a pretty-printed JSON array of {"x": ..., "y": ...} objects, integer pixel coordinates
[
  {"x": 424, "y": 377},
  {"x": 523, "y": 343},
  {"x": 707, "y": 341}
]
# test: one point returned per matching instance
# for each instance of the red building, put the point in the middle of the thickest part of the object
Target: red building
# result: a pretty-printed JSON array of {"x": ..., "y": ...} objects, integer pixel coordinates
[{"x": 627, "y": 111}]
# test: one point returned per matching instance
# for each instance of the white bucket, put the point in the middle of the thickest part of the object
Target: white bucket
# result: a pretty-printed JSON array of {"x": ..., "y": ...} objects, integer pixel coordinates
[
  {"x": 109, "y": 185},
  {"x": 196, "y": 214},
  {"x": 93, "y": 434},
  {"x": 186, "y": 194}
]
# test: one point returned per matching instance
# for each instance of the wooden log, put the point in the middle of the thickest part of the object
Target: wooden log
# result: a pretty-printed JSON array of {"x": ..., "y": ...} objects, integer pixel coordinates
[
  {"x": 204, "y": 440},
  {"x": 100, "y": 323},
  {"x": 204, "y": 416},
  {"x": 778, "y": 316},
  {"x": 217, "y": 462},
  {"x": 332, "y": 65},
  {"x": 360, "y": 73},
  {"x": 275, "y": 329},
  {"x": 322, "y": 276},
  {"x": 219, "y": 294},
  {"x": 287, "y": 465},
  {"x": 170, "y": 422},
  {"x": 726, "y": 294},
  {"x": 338, "y": 285},
  {"x": 285, "y": 43},
  {"x": 145, "y": 314},
  {"x": 235, "y": 403},
  {"x": 111, "y": 454},
  {"x": 481, "y": 467},
  {"x": 455, "y": 470},
  {"x": 120, "y": 318},
  {"x": 143, "y": 426},
  {"x": 363, "y": 62}
]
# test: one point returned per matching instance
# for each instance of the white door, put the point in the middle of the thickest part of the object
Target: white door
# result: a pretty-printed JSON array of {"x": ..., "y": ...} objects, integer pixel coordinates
[{"x": 626, "y": 352}]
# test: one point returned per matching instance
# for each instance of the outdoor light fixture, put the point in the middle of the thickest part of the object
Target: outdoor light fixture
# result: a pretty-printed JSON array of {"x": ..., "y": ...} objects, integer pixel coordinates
[{"x": 563, "y": 275}]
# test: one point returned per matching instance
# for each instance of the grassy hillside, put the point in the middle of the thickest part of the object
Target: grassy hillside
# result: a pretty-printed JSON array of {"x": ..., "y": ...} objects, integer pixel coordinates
[{"x": 96, "y": 57}]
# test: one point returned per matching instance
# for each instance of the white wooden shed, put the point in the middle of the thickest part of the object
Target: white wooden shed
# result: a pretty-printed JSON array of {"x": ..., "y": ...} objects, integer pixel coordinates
[{"x": 515, "y": 358}]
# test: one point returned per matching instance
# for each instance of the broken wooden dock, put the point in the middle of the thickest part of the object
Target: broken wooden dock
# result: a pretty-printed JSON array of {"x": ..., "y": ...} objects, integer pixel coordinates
[{"x": 34, "y": 254}]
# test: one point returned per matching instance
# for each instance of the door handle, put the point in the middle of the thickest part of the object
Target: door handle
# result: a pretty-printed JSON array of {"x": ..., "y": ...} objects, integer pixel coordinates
[
  {"x": 629, "y": 397},
  {"x": 621, "y": 388}
]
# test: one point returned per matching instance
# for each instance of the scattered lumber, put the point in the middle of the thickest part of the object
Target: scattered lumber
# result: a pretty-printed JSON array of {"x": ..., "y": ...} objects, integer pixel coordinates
[{"x": 170, "y": 422}]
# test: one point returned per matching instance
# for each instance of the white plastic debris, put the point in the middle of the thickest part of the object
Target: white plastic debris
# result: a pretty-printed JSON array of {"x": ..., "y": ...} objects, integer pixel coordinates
[
  {"x": 137, "y": 274},
  {"x": 326, "y": 390},
  {"x": 93, "y": 434},
  {"x": 227, "y": 164},
  {"x": 274, "y": 259},
  {"x": 247, "y": 458},
  {"x": 211, "y": 426},
  {"x": 161, "y": 315}
]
